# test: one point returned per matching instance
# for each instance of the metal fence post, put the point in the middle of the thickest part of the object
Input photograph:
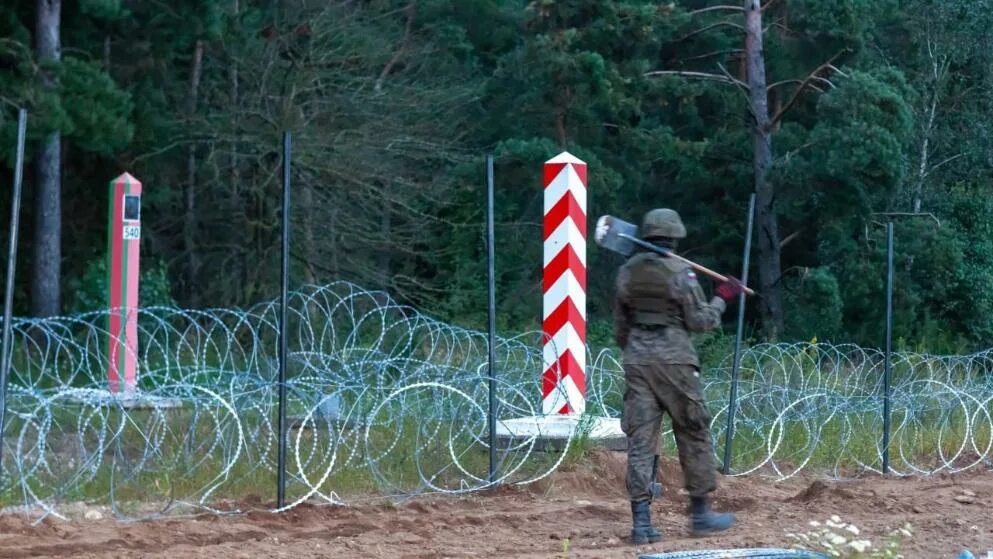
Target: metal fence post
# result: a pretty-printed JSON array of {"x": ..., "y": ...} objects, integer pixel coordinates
[
  {"x": 733, "y": 398},
  {"x": 889, "y": 348}
]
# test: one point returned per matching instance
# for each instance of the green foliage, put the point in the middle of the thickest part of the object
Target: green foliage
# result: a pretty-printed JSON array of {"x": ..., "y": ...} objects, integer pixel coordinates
[
  {"x": 393, "y": 111},
  {"x": 98, "y": 113},
  {"x": 856, "y": 156},
  {"x": 104, "y": 9},
  {"x": 816, "y": 306},
  {"x": 89, "y": 291},
  {"x": 848, "y": 20}
]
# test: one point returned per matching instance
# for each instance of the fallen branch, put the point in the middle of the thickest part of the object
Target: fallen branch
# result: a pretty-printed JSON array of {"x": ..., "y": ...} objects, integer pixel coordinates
[
  {"x": 803, "y": 85},
  {"x": 411, "y": 12},
  {"x": 715, "y": 8},
  {"x": 786, "y": 82},
  {"x": 714, "y": 53},
  {"x": 909, "y": 214},
  {"x": 792, "y": 236},
  {"x": 709, "y": 27},
  {"x": 697, "y": 75},
  {"x": 948, "y": 160}
]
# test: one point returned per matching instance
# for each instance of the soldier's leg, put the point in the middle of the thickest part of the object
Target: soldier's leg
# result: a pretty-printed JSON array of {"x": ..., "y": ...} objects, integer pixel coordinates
[
  {"x": 682, "y": 394},
  {"x": 679, "y": 388},
  {"x": 641, "y": 422}
]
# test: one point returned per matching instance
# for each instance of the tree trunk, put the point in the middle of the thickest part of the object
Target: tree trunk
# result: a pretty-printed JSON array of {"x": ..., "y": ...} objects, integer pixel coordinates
[
  {"x": 928, "y": 130},
  {"x": 242, "y": 199},
  {"x": 924, "y": 155},
  {"x": 190, "y": 222},
  {"x": 411, "y": 13},
  {"x": 47, "y": 262},
  {"x": 333, "y": 244},
  {"x": 385, "y": 260},
  {"x": 309, "y": 239},
  {"x": 768, "y": 238}
]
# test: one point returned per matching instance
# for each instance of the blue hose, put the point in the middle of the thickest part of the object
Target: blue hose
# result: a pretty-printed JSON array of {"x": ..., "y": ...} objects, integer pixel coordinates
[{"x": 736, "y": 554}]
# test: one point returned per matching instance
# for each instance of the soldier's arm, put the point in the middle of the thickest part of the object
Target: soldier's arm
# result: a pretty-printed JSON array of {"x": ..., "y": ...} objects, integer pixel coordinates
[
  {"x": 698, "y": 314},
  {"x": 622, "y": 312}
]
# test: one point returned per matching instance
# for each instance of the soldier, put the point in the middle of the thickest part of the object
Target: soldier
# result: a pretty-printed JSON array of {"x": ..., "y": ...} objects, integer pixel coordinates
[{"x": 658, "y": 302}]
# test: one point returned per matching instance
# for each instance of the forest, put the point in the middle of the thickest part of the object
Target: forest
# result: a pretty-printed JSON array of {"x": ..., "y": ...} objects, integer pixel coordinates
[{"x": 839, "y": 115}]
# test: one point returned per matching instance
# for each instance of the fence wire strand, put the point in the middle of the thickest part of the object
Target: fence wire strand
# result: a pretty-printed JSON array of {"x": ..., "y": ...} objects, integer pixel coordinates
[{"x": 385, "y": 400}]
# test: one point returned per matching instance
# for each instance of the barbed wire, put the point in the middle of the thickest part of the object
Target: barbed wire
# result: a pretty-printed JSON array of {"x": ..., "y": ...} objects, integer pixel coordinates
[
  {"x": 384, "y": 400},
  {"x": 816, "y": 403}
]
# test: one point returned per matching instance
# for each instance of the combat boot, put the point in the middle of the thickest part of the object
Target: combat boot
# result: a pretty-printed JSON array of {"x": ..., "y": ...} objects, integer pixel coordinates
[
  {"x": 642, "y": 530},
  {"x": 704, "y": 521}
]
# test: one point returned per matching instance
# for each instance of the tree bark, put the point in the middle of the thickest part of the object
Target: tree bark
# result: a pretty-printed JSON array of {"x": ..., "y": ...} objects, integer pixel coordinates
[
  {"x": 309, "y": 239},
  {"x": 47, "y": 262},
  {"x": 106, "y": 53},
  {"x": 938, "y": 70},
  {"x": 385, "y": 260},
  {"x": 190, "y": 221},
  {"x": 234, "y": 175},
  {"x": 771, "y": 302},
  {"x": 411, "y": 13},
  {"x": 925, "y": 154}
]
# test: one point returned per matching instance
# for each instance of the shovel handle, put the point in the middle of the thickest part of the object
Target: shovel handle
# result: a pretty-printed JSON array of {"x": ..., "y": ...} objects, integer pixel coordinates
[{"x": 664, "y": 252}]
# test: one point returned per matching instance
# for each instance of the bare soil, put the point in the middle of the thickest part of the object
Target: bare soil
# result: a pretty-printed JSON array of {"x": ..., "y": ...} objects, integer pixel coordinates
[{"x": 580, "y": 513}]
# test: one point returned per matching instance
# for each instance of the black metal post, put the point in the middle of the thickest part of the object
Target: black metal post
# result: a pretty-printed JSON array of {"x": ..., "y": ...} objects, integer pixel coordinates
[
  {"x": 733, "y": 399},
  {"x": 889, "y": 348},
  {"x": 491, "y": 280},
  {"x": 283, "y": 290},
  {"x": 8, "y": 303}
]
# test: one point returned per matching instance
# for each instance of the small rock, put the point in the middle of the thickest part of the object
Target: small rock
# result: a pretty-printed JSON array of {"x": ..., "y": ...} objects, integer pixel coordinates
[
  {"x": 93, "y": 514},
  {"x": 613, "y": 541},
  {"x": 965, "y": 499},
  {"x": 968, "y": 493},
  {"x": 583, "y": 503},
  {"x": 917, "y": 509}
]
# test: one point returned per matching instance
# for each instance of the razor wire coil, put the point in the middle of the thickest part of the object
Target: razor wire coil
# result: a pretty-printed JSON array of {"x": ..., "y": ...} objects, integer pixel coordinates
[{"x": 387, "y": 400}]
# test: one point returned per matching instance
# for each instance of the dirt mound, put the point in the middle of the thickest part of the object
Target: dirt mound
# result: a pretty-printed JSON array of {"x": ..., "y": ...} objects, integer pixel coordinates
[
  {"x": 602, "y": 473},
  {"x": 581, "y": 513},
  {"x": 820, "y": 491}
]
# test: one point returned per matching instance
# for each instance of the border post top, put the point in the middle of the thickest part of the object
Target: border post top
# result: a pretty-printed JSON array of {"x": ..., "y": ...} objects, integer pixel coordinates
[
  {"x": 565, "y": 157},
  {"x": 126, "y": 179}
]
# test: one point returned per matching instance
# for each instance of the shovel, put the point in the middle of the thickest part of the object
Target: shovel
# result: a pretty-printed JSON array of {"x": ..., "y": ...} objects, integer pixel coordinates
[{"x": 621, "y": 237}]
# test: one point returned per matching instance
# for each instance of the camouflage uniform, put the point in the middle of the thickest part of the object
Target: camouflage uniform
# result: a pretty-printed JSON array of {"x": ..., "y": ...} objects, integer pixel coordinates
[{"x": 658, "y": 303}]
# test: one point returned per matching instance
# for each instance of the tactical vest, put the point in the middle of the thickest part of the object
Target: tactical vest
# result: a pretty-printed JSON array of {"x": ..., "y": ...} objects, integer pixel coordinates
[{"x": 648, "y": 290}]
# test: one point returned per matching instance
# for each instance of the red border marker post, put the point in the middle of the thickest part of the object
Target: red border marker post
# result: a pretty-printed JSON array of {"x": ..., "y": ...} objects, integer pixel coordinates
[
  {"x": 123, "y": 243},
  {"x": 564, "y": 286},
  {"x": 563, "y": 380}
]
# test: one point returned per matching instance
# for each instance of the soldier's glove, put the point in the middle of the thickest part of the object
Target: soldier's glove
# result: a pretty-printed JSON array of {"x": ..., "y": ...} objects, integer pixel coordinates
[{"x": 729, "y": 290}]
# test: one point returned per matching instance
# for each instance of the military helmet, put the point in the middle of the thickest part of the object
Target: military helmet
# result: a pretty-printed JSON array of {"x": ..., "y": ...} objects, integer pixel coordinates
[{"x": 662, "y": 222}]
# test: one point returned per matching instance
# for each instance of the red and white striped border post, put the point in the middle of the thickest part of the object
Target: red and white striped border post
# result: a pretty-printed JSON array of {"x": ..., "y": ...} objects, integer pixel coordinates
[
  {"x": 563, "y": 386},
  {"x": 124, "y": 242}
]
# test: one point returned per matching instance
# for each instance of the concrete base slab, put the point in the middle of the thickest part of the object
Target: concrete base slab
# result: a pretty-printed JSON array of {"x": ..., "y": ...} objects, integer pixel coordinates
[
  {"x": 553, "y": 432},
  {"x": 128, "y": 401}
]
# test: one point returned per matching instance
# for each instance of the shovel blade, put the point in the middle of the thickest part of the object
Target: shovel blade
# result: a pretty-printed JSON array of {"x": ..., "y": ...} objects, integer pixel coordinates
[{"x": 615, "y": 234}]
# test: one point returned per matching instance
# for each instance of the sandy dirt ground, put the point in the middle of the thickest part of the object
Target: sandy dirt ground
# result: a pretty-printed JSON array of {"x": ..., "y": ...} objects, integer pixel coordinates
[{"x": 580, "y": 513}]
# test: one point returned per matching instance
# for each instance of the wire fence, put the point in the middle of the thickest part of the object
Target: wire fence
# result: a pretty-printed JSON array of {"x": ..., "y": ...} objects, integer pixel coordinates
[{"x": 385, "y": 401}]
